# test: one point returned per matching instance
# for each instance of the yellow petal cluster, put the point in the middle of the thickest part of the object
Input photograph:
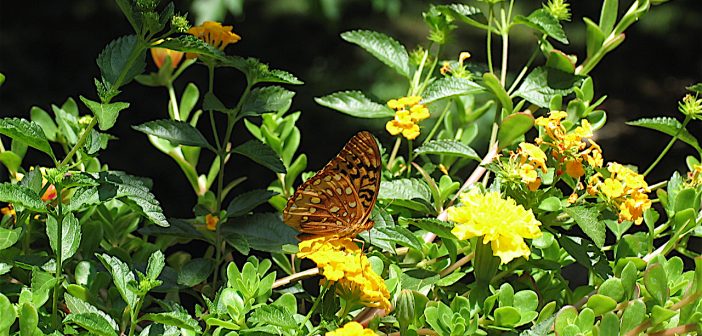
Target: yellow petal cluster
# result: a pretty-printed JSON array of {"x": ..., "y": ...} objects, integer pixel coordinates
[
  {"x": 343, "y": 262},
  {"x": 215, "y": 34},
  {"x": 211, "y": 222},
  {"x": 626, "y": 189},
  {"x": 352, "y": 328},
  {"x": 570, "y": 148},
  {"x": 531, "y": 157},
  {"x": 408, "y": 113},
  {"x": 499, "y": 221}
]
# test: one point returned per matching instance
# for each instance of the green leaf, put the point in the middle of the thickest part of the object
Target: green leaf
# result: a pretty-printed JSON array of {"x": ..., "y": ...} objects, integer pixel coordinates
[
  {"x": 448, "y": 147},
  {"x": 383, "y": 47},
  {"x": 601, "y": 304},
  {"x": 178, "y": 228},
  {"x": 7, "y": 311},
  {"x": 106, "y": 113},
  {"x": 465, "y": 13},
  {"x": 544, "y": 22},
  {"x": 94, "y": 323},
  {"x": 449, "y": 87},
  {"x": 542, "y": 84},
  {"x": 507, "y": 316},
  {"x": 258, "y": 72},
  {"x": 28, "y": 320},
  {"x": 438, "y": 227},
  {"x": 161, "y": 330},
  {"x": 493, "y": 84},
  {"x": 609, "y": 325},
  {"x": 267, "y": 99},
  {"x": 407, "y": 189},
  {"x": 402, "y": 236},
  {"x": 2, "y": 81},
  {"x": 44, "y": 120},
  {"x": 244, "y": 203},
  {"x": 77, "y": 306},
  {"x": 130, "y": 190},
  {"x": 261, "y": 154},
  {"x": 70, "y": 236},
  {"x": 191, "y": 44},
  {"x": 11, "y": 160},
  {"x": 264, "y": 232},
  {"x": 115, "y": 58},
  {"x": 9, "y": 237},
  {"x": 513, "y": 127},
  {"x": 656, "y": 282},
  {"x": 21, "y": 196},
  {"x": 355, "y": 104},
  {"x": 177, "y": 132},
  {"x": 121, "y": 276},
  {"x": 27, "y": 132},
  {"x": 608, "y": 16},
  {"x": 697, "y": 88},
  {"x": 273, "y": 315},
  {"x": 195, "y": 272},
  {"x": 586, "y": 218},
  {"x": 175, "y": 318},
  {"x": 155, "y": 265},
  {"x": 669, "y": 126},
  {"x": 634, "y": 314}
]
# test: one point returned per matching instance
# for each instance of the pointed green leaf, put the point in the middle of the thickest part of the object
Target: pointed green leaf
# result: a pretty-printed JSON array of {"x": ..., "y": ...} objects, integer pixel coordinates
[
  {"x": 383, "y": 47},
  {"x": 406, "y": 189},
  {"x": 77, "y": 306},
  {"x": 92, "y": 322},
  {"x": 121, "y": 276},
  {"x": 130, "y": 190},
  {"x": 21, "y": 196},
  {"x": 106, "y": 114},
  {"x": 70, "y": 237},
  {"x": 7, "y": 311},
  {"x": 175, "y": 318},
  {"x": 244, "y": 203},
  {"x": 258, "y": 72},
  {"x": 155, "y": 265},
  {"x": 267, "y": 99},
  {"x": 513, "y": 127},
  {"x": 44, "y": 120},
  {"x": 544, "y": 22},
  {"x": 263, "y": 231},
  {"x": 587, "y": 220},
  {"x": 261, "y": 154},
  {"x": 448, "y": 147},
  {"x": 449, "y": 87},
  {"x": 27, "y": 132},
  {"x": 117, "y": 56},
  {"x": 494, "y": 85},
  {"x": 191, "y": 44},
  {"x": 355, "y": 104},
  {"x": 195, "y": 272},
  {"x": 177, "y": 132},
  {"x": 9, "y": 237},
  {"x": 542, "y": 84},
  {"x": 669, "y": 126}
]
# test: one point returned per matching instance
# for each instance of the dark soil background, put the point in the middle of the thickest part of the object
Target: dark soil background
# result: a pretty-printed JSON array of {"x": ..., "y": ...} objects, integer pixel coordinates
[{"x": 47, "y": 52}]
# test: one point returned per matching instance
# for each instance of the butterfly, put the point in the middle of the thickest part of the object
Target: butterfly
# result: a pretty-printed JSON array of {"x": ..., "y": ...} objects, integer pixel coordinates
[{"x": 337, "y": 201}]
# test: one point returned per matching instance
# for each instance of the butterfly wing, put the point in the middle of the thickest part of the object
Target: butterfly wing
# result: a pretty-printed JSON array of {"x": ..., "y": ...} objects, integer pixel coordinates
[{"x": 338, "y": 200}]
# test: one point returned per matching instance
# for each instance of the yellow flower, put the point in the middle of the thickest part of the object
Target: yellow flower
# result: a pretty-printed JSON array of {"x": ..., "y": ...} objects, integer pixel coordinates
[
  {"x": 500, "y": 221},
  {"x": 625, "y": 189},
  {"x": 531, "y": 157},
  {"x": 215, "y": 34},
  {"x": 159, "y": 56},
  {"x": 9, "y": 210},
  {"x": 211, "y": 222},
  {"x": 352, "y": 328},
  {"x": 408, "y": 113},
  {"x": 343, "y": 262}
]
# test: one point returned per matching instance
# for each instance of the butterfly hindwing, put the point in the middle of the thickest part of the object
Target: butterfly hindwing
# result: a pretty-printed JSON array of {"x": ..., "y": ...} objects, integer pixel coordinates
[{"x": 338, "y": 200}]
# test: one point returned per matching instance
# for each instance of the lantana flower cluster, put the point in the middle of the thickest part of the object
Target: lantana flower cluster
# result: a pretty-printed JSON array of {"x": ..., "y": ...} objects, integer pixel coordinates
[
  {"x": 351, "y": 329},
  {"x": 500, "y": 221},
  {"x": 626, "y": 189},
  {"x": 343, "y": 262},
  {"x": 408, "y": 113}
]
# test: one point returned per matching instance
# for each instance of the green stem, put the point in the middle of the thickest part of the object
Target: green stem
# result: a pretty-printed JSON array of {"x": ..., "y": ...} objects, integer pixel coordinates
[
  {"x": 175, "y": 113},
  {"x": 523, "y": 71},
  {"x": 81, "y": 141},
  {"x": 505, "y": 49},
  {"x": 489, "y": 41},
  {"x": 393, "y": 154},
  {"x": 59, "y": 263},
  {"x": 670, "y": 145},
  {"x": 325, "y": 288},
  {"x": 133, "y": 316},
  {"x": 410, "y": 157},
  {"x": 438, "y": 123}
]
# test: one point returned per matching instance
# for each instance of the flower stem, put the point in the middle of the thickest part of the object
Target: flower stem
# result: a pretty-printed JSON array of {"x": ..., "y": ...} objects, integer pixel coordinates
[
  {"x": 175, "y": 114},
  {"x": 670, "y": 145},
  {"x": 393, "y": 154},
  {"x": 437, "y": 124},
  {"x": 325, "y": 288},
  {"x": 59, "y": 258}
]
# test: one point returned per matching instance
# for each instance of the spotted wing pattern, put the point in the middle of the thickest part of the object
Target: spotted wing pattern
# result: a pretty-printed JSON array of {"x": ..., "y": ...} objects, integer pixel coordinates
[{"x": 338, "y": 199}]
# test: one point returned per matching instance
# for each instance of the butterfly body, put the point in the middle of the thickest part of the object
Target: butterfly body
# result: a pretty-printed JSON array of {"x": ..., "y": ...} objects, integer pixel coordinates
[{"x": 337, "y": 201}]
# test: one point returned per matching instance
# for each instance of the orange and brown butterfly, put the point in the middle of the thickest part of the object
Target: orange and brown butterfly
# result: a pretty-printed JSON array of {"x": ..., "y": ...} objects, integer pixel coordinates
[{"x": 337, "y": 201}]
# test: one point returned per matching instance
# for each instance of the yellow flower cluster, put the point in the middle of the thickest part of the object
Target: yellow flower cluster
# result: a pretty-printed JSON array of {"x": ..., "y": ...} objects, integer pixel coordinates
[
  {"x": 352, "y": 328},
  {"x": 570, "y": 148},
  {"x": 215, "y": 34},
  {"x": 500, "y": 221},
  {"x": 694, "y": 177},
  {"x": 211, "y": 222},
  {"x": 408, "y": 113},
  {"x": 531, "y": 158},
  {"x": 625, "y": 188},
  {"x": 343, "y": 262}
]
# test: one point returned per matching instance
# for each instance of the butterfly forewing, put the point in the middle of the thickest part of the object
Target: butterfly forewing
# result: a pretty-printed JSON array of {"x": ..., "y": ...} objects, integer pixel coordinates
[{"x": 338, "y": 200}]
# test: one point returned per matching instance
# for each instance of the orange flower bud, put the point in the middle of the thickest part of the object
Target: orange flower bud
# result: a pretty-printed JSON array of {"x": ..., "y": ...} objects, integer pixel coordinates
[{"x": 159, "y": 56}]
